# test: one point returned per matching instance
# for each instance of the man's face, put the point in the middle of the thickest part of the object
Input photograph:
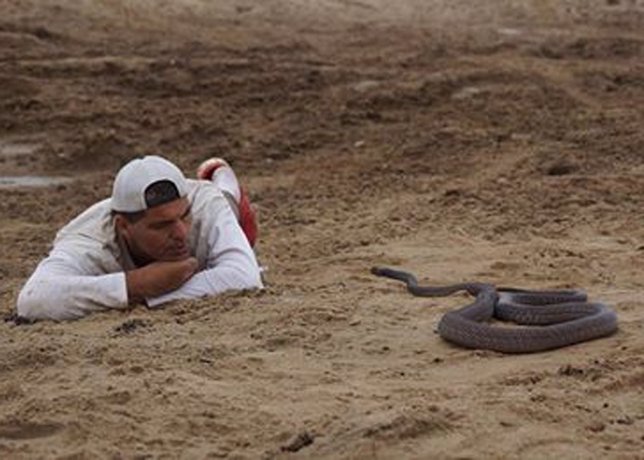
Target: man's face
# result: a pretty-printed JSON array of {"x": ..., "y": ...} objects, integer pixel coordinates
[{"x": 161, "y": 234}]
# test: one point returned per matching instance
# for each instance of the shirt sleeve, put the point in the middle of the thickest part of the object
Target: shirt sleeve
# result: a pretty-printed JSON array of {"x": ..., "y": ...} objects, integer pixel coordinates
[
  {"x": 231, "y": 263},
  {"x": 62, "y": 288}
]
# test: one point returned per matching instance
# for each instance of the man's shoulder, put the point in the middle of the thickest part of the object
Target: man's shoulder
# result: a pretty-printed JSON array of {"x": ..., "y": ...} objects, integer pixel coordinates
[
  {"x": 89, "y": 239},
  {"x": 93, "y": 224}
]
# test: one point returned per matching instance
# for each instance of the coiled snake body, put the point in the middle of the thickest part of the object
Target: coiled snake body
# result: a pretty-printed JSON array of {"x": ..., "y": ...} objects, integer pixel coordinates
[{"x": 549, "y": 319}]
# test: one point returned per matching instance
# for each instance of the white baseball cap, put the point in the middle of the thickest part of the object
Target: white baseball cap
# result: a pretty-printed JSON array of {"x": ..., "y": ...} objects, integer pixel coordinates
[{"x": 129, "y": 193}]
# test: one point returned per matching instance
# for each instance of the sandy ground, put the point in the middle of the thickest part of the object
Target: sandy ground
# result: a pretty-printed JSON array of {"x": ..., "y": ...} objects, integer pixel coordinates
[{"x": 498, "y": 143}]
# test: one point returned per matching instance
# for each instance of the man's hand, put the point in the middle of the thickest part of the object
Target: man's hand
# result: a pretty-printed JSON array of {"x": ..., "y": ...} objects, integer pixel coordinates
[{"x": 158, "y": 278}]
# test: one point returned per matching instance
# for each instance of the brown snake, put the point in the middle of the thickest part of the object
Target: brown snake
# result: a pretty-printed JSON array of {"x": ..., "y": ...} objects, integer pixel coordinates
[{"x": 548, "y": 319}]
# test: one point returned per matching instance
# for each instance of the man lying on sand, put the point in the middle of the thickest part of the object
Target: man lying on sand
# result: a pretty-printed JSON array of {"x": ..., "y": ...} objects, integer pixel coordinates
[{"x": 160, "y": 237}]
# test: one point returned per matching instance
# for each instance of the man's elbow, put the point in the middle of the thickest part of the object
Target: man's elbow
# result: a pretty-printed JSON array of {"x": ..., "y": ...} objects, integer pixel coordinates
[
  {"x": 33, "y": 305},
  {"x": 29, "y": 304},
  {"x": 249, "y": 279}
]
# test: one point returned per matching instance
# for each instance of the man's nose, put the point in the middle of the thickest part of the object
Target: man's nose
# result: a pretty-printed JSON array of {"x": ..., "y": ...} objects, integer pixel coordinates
[{"x": 180, "y": 230}]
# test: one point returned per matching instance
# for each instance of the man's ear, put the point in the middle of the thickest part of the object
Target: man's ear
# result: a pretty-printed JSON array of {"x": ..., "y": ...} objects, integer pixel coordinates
[{"x": 121, "y": 225}]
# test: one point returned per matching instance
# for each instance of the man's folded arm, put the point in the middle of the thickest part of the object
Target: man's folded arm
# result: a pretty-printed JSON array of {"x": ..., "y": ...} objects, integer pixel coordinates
[
  {"x": 61, "y": 288},
  {"x": 231, "y": 266}
]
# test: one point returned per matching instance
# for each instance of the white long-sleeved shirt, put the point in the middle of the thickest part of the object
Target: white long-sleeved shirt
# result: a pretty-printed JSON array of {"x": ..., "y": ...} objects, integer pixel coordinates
[{"x": 85, "y": 270}]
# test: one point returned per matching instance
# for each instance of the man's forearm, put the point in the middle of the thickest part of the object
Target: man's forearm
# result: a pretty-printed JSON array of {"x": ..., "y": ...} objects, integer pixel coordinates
[
  {"x": 70, "y": 297},
  {"x": 158, "y": 278},
  {"x": 214, "y": 281},
  {"x": 63, "y": 288}
]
